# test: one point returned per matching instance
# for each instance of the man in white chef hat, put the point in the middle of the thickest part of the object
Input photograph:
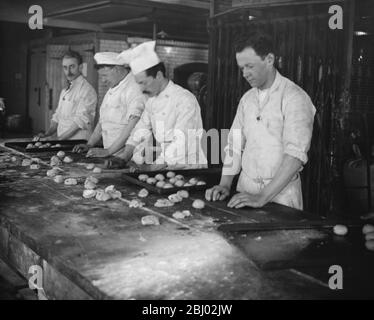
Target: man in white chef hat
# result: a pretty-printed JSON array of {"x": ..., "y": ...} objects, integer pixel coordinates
[
  {"x": 172, "y": 114},
  {"x": 121, "y": 109}
]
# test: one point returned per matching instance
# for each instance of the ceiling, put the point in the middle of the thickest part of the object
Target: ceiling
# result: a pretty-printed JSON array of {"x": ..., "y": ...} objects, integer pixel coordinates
[{"x": 176, "y": 19}]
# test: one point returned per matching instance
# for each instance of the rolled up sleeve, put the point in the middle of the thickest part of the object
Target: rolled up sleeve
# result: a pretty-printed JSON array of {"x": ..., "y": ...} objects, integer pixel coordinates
[
  {"x": 236, "y": 142},
  {"x": 142, "y": 130},
  {"x": 299, "y": 114},
  {"x": 86, "y": 109},
  {"x": 135, "y": 100}
]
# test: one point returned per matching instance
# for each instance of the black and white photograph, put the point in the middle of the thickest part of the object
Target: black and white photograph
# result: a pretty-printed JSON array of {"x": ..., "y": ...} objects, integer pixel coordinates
[{"x": 186, "y": 156}]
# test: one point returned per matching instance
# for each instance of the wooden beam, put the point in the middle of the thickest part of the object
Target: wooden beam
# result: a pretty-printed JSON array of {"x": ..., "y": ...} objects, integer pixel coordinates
[
  {"x": 69, "y": 24},
  {"x": 120, "y": 23},
  {"x": 79, "y": 9}
]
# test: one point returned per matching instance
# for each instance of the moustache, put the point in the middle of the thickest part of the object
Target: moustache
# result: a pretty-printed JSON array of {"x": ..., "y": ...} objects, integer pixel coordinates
[{"x": 146, "y": 92}]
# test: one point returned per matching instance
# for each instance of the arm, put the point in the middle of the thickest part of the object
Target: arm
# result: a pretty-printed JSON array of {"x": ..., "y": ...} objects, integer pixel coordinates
[
  {"x": 125, "y": 133},
  {"x": 70, "y": 132}
]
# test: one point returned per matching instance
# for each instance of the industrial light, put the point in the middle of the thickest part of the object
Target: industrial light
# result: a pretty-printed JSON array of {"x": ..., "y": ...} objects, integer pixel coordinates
[
  {"x": 361, "y": 33},
  {"x": 251, "y": 17}
]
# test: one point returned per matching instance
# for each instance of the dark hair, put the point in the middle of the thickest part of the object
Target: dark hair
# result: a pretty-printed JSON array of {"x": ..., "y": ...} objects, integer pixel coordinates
[
  {"x": 261, "y": 43},
  {"x": 152, "y": 72},
  {"x": 73, "y": 54}
]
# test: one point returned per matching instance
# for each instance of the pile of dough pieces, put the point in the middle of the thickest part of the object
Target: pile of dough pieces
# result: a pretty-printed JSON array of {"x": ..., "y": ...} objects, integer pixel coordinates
[
  {"x": 106, "y": 194},
  {"x": 170, "y": 181},
  {"x": 59, "y": 158},
  {"x": 91, "y": 166}
]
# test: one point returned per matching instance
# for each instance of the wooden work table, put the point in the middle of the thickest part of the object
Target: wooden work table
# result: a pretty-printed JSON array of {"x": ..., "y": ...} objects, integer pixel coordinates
[{"x": 100, "y": 250}]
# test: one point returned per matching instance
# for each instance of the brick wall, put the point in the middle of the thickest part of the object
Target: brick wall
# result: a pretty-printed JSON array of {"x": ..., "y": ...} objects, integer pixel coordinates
[{"x": 172, "y": 53}]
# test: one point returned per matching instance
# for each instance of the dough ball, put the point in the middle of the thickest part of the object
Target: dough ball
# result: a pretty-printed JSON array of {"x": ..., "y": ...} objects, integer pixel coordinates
[
  {"x": 90, "y": 166},
  {"x": 13, "y": 159},
  {"x": 70, "y": 181},
  {"x": 187, "y": 184},
  {"x": 193, "y": 181},
  {"x": 143, "y": 177},
  {"x": 179, "y": 177},
  {"x": 198, "y": 204},
  {"x": 170, "y": 174},
  {"x": 160, "y": 203},
  {"x": 110, "y": 188},
  {"x": 55, "y": 161},
  {"x": 159, "y": 177},
  {"x": 135, "y": 203},
  {"x": 36, "y": 160},
  {"x": 183, "y": 193},
  {"x": 68, "y": 159},
  {"x": 35, "y": 166},
  {"x": 30, "y": 146},
  {"x": 115, "y": 194},
  {"x": 143, "y": 193},
  {"x": 340, "y": 230},
  {"x": 38, "y": 144},
  {"x": 187, "y": 213},
  {"x": 60, "y": 154},
  {"x": 47, "y": 145},
  {"x": 101, "y": 195},
  {"x": 181, "y": 214},
  {"x": 59, "y": 179},
  {"x": 150, "y": 220},
  {"x": 89, "y": 185},
  {"x": 58, "y": 145},
  {"x": 26, "y": 162},
  {"x": 51, "y": 173},
  {"x": 179, "y": 183},
  {"x": 173, "y": 180},
  {"x": 368, "y": 228},
  {"x": 160, "y": 184},
  {"x": 97, "y": 170},
  {"x": 201, "y": 183},
  {"x": 89, "y": 194},
  {"x": 369, "y": 244},
  {"x": 151, "y": 180},
  {"x": 178, "y": 215},
  {"x": 92, "y": 179},
  {"x": 168, "y": 186},
  {"x": 175, "y": 198}
]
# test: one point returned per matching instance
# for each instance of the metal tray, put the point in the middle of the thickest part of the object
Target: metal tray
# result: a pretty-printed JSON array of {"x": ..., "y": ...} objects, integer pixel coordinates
[
  {"x": 210, "y": 176},
  {"x": 66, "y": 145}
]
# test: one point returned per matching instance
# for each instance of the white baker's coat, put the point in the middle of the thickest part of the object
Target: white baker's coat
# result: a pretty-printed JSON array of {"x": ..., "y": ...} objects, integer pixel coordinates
[
  {"x": 76, "y": 105},
  {"x": 174, "y": 118},
  {"x": 285, "y": 126},
  {"x": 119, "y": 103}
]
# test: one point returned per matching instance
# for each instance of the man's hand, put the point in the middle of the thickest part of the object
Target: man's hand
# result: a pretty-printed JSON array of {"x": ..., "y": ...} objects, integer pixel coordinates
[
  {"x": 80, "y": 148},
  {"x": 368, "y": 231},
  {"x": 98, "y": 153},
  {"x": 38, "y": 136},
  {"x": 244, "y": 199},
  {"x": 218, "y": 192}
]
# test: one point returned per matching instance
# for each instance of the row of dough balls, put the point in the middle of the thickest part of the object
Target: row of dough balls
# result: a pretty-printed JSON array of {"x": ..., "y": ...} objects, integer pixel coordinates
[
  {"x": 41, "y": 145},
  {"x": 172, "y": 180}
]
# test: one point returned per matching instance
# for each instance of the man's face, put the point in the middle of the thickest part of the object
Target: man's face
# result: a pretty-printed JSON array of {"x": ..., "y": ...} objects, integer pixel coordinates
[
  {"x": 149, "y": 85},
  {"x": 255, "y": 69},
  {"x": 71, "y": 68},
  {"x": 108, "y": 75}
]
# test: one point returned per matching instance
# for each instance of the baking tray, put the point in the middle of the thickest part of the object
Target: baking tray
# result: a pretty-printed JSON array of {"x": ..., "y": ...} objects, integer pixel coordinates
[
  {"x": 210, "y": 176},
  {"x": 66, "y": 145}
]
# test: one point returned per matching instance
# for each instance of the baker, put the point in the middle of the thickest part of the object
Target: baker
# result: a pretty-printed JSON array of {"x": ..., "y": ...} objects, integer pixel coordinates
[
  {"x": 75, "y": 113},
  {"x": 270, "y": 135},
  {"x": 121, "y": 109},
  {"x": 172, "y": 115}
]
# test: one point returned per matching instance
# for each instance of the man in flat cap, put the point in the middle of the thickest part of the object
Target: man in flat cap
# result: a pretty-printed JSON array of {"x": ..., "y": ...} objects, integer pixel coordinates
[
  {"x": 122, "y": 106},
  {"x": 75, "y": 113},
  {"x": 172, "y": 115}
]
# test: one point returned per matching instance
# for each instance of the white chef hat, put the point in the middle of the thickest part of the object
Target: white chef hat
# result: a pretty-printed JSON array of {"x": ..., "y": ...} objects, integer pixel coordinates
[
  {"x": 144, "y": 57},
  {"x": 126, "y": 56},
  {"x": 109, "y": 58}
]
